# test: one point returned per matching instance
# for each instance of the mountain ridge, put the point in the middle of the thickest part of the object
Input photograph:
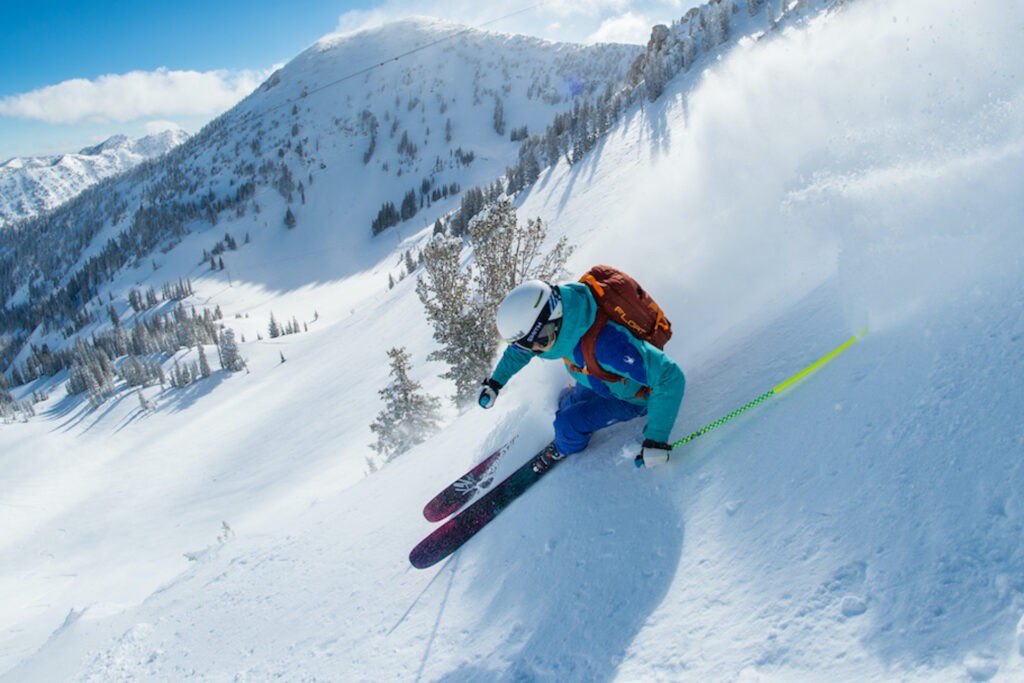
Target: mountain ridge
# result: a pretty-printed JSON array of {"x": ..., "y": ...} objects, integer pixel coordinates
[
  {"x": 30, "y": 186},
  {"x": 399, "y": 128}
]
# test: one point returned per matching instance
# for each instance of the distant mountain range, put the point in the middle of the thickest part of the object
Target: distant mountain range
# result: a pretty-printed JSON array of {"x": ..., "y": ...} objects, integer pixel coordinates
[{"x": 30, "y": 186}]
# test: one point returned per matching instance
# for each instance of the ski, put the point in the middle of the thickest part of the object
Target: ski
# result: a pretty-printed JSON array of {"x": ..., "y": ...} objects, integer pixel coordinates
[
  {"x": 462, "y": 490},
  {"x": 451, "y": 535}
]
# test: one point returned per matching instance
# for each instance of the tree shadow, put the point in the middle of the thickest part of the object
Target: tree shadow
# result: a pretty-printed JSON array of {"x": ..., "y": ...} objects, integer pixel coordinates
[
  {"x": 651, "y": 116},
  {"x": 179, "y": 399},
  {"x": 75, "y": 410}
]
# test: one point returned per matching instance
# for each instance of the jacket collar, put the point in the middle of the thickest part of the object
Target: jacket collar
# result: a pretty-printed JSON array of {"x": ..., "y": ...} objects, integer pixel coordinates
[{"x": 578, "y": 313}]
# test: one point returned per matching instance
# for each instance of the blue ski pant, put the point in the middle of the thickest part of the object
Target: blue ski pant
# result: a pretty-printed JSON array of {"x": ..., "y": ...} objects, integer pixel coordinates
[{"x": 581, "y": 412}]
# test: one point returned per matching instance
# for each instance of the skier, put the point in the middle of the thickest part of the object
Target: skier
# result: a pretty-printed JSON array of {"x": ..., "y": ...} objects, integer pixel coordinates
[{"x": 548, "y": 321}]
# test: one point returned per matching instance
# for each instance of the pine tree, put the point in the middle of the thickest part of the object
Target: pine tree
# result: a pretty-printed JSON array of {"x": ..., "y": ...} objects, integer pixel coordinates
[
  {"x": 181, "y": 375},
  {"x": 461, "y": 305},
  {"x": 409, "y": 205},
  {"x": 499, "y": 116},
  {"x": 386, "y": 217},
  {"x": 90, "y": 371},
  {"x": 409, "y": 416},
  {"x": 286, "y": 182},
  {"x": 507, "y": 254},
  {"x": 466, "y": 339},
  {"x": 230, "y": 357},
  {"x": 133, "y": 372},
  {"x": 204, "y": 364}
]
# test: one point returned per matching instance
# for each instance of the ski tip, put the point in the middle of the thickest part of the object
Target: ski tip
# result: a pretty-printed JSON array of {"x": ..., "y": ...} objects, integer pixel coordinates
[
  {"x": 433, "y": 515},
  {"x": 422, "y": 560}
]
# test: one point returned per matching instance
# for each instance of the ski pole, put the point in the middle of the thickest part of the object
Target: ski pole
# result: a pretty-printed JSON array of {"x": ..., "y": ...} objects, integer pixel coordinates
[{"x": 768, "y": 394}]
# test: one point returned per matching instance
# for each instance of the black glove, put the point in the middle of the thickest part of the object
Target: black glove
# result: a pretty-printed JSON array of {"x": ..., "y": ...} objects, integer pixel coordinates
[
  {"x": 652, "y": 453},
  {"x": 489, "y": 393}
]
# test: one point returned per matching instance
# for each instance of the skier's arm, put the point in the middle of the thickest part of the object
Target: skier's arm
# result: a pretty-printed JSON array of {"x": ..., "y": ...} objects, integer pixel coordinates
[
  {"x": 667, "y": 383},
  {"x": 512, "y": 361}
]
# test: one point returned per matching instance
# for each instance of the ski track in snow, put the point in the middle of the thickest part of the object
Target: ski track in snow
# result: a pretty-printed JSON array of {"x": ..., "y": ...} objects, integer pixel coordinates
[{"x": 864, "y": 525}]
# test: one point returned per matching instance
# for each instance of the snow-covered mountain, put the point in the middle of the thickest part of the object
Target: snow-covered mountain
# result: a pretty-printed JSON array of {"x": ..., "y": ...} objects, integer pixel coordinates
[
  {"x": 34, "y": 185},
  {"x": 333, "y": 137},
  {"x": 791, "y": 188}
]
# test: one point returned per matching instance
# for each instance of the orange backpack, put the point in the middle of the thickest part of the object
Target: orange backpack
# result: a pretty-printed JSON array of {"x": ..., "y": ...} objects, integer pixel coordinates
[{"x": 621, "y": 300}]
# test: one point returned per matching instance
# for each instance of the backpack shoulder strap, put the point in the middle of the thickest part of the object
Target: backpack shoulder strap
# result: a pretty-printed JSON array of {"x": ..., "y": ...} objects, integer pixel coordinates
[{"x": 588, "y": 345}]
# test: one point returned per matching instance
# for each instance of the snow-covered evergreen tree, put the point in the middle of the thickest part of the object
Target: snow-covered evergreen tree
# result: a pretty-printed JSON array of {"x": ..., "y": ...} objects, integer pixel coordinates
[
  {"x": 507, "y": 254},
  {"x": 133, "y": 372},
  {"x": 499, "y": 116},
  {"x": 204, "y": 364},
  {"x": 91, "y": 371},
  {"x": 230, "y": 357},
  {"x": 461, "y": 305},
  {"x": 467, "y": 340},
  {"x": 715, "y": 18},
  {"x": 409, "y": 415}
]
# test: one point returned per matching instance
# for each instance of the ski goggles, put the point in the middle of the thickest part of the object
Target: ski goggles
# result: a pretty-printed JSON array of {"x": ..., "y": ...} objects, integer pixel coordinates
[
  {"x": 545, "y": 327},
  {"x": 544, "y": 336}
]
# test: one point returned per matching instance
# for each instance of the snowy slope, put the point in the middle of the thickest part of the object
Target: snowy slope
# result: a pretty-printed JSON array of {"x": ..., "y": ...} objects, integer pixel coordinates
[
  {"x": 860, "y": 170},
  {"x": 30, "y": 186}
]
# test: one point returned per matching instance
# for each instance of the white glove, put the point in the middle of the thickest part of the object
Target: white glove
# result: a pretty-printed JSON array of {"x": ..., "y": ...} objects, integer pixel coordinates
[
  {"x": 652, "y": 454},
  {"x": 489, "y": 393}
]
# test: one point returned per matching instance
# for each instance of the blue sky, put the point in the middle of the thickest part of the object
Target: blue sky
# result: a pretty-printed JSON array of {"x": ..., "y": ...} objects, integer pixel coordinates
[{"x": 74, "y": 73}]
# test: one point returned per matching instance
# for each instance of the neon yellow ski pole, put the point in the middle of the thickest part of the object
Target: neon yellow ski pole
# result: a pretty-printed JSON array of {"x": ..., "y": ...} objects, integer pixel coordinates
[{"x": 774, "y": 390}]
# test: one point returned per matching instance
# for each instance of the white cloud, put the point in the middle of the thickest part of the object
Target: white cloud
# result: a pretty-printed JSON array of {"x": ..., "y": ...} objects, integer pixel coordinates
[
  {"x": 126, "y": 97},
  {"x": 581, "y": 21},
  {"x": 154, "y": 127},
  {"x": 358, "y": 20},
  {"x": 627, "y": 28}
]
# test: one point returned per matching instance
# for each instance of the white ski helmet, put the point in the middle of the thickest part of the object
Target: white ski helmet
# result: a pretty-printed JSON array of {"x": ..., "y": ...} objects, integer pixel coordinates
[{"x": 527, "y": 310}]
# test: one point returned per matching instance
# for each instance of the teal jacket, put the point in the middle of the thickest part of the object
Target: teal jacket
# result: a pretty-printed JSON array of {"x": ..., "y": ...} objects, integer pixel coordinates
[{"x": 651, "y": 378}]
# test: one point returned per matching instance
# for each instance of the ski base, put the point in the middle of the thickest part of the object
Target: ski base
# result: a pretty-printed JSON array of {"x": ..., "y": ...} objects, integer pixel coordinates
[{"x": 451, "y": 535}]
